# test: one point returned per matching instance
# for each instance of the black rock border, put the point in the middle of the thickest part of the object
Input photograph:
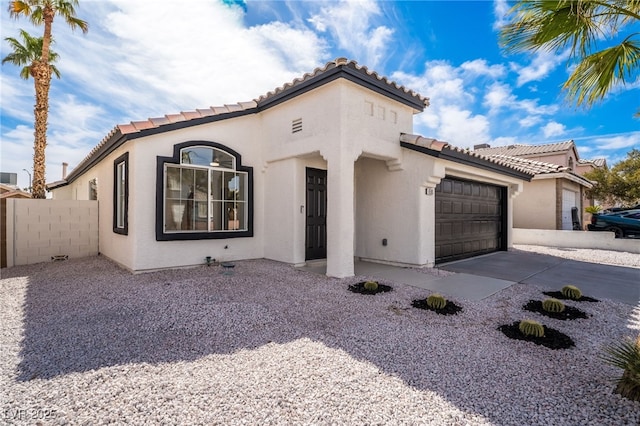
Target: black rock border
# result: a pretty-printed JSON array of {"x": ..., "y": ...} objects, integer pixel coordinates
[
  {"x": 569, "y": 313},
  {"x": 451, "y": 308},
  {"x": 559, "y": 295},
  {"x": 359, "y": 288},
  {"x": 552, "y": 339}
]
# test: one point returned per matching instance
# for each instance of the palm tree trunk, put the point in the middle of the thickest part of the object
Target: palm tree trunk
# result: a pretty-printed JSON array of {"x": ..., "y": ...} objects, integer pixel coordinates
[
  {"x": 48, "y": 14},
  {"x": 42, "y": 77}
]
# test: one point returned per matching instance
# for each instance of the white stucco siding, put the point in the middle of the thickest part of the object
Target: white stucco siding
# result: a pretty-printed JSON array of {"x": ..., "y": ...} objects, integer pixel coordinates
[
  {"x": 240, "y": 134},
  {"x": 388, "y": 207},
  {"x": 339, "y": 117}
]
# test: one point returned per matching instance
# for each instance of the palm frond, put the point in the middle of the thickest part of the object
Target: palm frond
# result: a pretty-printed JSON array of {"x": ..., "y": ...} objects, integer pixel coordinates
[
  {"x": 28, "y": 51},
  {"x": 551, "y": 26},
  {"x": 597, "y": 73}
]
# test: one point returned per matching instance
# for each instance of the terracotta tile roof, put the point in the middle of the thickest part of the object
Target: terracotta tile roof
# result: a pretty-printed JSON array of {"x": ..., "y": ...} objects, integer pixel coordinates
[
  {"x": 521, "y": 149},
  {"x": 597, "y": 162},
  {"x": 434, "y": 146},
  {"x": 520, "y": 164},
  {"x": 185, "y": 116},
  {"x": 534, "y": 167}
]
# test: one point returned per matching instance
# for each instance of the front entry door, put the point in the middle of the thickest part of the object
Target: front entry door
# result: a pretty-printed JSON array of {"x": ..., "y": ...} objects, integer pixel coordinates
[{"x": 316, "y": 223}]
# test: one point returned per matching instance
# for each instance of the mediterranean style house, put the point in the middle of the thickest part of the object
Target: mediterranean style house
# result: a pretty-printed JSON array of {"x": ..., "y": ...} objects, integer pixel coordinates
[
  {"x": 557, "y": 187},
  {"x": 324, "y": 167}
]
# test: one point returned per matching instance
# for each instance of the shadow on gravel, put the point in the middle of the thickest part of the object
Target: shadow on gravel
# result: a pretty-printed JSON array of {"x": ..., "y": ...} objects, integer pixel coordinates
[{"x": 88, "y": 314}]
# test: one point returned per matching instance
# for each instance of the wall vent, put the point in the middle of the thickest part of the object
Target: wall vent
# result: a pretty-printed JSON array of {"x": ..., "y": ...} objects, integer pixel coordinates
[{"x": 296, "y": 125}]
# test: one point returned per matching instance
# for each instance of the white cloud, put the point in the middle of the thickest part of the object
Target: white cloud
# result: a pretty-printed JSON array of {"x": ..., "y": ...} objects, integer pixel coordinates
[
  {"x": 631, "y": 140},
  {"x": 463, "y": 128},
  {"x": 500, "y": 9},
  {"x": 529, "y": 121},
  {"x": 479, "y": 67},
  {"x": 351, "y": 24},
  {"x": 541, "y": 66},
  {"x": 553, "y": 128},
  {"x": 499, "y": 96}
]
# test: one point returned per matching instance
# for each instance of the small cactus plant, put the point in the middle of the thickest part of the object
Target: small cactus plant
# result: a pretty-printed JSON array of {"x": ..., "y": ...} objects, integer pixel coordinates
[
  {"x": 552, "y": 305},
  {"x": 371, "y": 285},
  {"x": 572, "y": 292},
  {"x": 436, "y": 301},
  {"x": 531, "y": 328}
]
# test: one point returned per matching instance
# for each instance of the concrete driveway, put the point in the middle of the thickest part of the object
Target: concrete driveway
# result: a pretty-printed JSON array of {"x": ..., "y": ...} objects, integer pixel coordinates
[{"x": 617, "y": 283}]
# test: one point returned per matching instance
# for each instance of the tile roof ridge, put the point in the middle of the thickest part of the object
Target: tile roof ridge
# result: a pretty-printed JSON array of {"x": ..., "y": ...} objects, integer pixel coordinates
[{"x": 341, "y": 62}]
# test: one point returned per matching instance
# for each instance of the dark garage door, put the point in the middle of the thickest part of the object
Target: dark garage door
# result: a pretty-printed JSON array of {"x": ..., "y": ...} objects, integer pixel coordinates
[{"x": 470, "y": 219}]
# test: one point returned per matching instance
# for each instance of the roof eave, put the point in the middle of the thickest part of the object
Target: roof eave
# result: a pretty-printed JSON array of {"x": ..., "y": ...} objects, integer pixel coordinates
[{"x": 463, "y": 158}]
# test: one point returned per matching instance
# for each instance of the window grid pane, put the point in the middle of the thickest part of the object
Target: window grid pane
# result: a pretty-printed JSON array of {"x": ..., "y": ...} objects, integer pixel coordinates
[
  {"x": 205, "y": 199},
  {"x": 120, "y": 195}
]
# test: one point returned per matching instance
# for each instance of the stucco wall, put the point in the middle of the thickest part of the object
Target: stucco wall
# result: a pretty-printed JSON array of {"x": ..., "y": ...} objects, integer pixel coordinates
[
  {"x": 240, "y": 134},
  {"x": 285, "y": 213},
  {"x": 387, "y": 207},
  {"x": 41, "y": 229},
  {"x": 535, "y": 208}
]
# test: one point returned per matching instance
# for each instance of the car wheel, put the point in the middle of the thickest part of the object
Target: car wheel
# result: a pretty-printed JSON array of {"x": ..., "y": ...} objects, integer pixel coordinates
[{"x": 619, "y": 233}]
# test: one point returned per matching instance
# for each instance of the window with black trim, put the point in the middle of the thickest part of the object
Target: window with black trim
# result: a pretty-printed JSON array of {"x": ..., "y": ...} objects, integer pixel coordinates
[
  {"x": 121, "y": 194},
  {"x": 204, "y": 192}
]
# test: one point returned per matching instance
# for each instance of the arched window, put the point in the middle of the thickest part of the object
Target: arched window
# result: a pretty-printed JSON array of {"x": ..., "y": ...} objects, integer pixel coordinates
[{"x": 206, "y": 193}]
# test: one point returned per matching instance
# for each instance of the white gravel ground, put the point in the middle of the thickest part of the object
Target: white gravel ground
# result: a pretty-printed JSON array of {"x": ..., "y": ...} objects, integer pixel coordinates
[{"x": 84, "y": 342}]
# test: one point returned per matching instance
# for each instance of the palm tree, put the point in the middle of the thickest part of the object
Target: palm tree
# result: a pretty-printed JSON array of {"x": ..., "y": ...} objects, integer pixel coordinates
[
  {"x": 43, "y": 12},
  {"x": 24, "y": 55},
  {"x": 580, "y": 26}
]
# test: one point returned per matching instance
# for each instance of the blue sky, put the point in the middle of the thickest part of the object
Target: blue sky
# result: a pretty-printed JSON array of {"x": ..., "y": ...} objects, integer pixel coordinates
[{"x": 147, "y": 58}]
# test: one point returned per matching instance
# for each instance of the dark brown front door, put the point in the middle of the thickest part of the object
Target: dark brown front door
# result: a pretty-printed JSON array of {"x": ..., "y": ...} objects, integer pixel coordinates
[
  {"x": 316, "y": 223},
  {"x": 470, "y": 219}
]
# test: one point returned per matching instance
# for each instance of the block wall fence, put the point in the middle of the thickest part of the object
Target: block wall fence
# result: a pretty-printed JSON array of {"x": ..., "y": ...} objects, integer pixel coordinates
[{"x": 35, "y": 231}]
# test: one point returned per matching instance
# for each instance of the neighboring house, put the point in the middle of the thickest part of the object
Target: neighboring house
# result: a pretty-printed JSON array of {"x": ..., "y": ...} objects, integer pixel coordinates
[
  {"x": 557, "y": 187},
  {"x": 12, "y": 191},
  {"x": 325, "y": 167}
]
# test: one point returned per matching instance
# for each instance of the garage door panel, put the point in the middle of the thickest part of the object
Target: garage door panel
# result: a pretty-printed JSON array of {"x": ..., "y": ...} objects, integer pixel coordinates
[{"x": 469, "y": 219}]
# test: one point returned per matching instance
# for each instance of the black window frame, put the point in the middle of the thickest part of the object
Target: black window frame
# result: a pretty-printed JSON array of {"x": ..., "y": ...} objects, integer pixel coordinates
[
  {"x": 123, "y": 159},
  {"x": 175, "y": 159}
]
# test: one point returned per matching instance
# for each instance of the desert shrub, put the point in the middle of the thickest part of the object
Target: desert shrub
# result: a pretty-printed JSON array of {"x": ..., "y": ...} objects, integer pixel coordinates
[
  {"x": 626, "y": 355},
  {"x": 371, "y": 285},
  {"x": 553, "y": 305},
  {"x": 572, "y": 292},
  {"x": 436, "y": 301},
  {"x": 531, "y": 328}
]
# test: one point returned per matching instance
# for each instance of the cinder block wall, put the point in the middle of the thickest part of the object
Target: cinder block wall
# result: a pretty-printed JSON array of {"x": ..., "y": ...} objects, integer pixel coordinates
[{"x": 46, "y": 228}]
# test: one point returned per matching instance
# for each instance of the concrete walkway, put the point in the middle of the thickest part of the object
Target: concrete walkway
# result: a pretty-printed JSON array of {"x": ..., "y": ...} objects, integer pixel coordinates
[{"x": 480, "y": 277}]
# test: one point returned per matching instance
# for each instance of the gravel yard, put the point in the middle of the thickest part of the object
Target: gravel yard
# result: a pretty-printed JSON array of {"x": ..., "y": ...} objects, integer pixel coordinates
[{"x": 84, "y": 342}]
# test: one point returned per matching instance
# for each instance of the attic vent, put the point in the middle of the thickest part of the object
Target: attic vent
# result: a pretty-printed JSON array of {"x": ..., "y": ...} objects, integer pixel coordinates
[{"x": 296, "y": 125}]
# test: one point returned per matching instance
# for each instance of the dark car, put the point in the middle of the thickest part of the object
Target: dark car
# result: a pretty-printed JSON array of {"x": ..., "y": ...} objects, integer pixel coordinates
[{"x": 624, "y": 223}]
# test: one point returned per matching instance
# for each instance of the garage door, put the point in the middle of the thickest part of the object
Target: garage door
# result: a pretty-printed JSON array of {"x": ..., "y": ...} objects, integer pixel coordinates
[{"x": 470, "y": 219}]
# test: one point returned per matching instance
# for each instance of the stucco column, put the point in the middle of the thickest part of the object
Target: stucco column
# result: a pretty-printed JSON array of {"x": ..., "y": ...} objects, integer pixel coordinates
[{"x": 340, "y": 215}]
